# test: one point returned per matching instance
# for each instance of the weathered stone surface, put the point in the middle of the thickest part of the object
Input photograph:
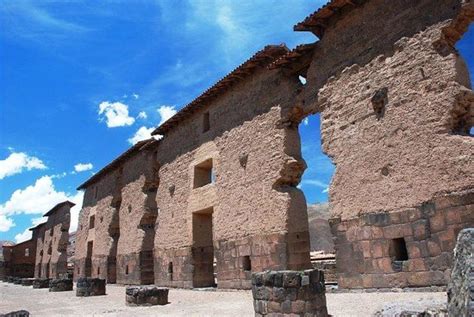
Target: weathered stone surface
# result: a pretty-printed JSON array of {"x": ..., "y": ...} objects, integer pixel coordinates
[
  {"x": 60, "y": 285},
  {"x": 87, "y": 286},
  {"x": 17, "y": 280},
  {"x": 146, "y": 295},
  {"x": 41, "y": 283},
  {"x": 289, "y": 293},
  {"x": 51, "y": 239},
  {"x": 461, "y": 285},
  {"x": 18, "y": 313}
]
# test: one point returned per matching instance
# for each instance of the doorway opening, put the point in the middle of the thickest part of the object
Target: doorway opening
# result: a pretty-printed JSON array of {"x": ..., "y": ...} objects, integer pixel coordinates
[{"x": 203, "y": 249}]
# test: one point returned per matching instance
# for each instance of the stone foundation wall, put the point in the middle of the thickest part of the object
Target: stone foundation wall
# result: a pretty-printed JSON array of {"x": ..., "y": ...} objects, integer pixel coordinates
[{"x": 365, "y": 255}]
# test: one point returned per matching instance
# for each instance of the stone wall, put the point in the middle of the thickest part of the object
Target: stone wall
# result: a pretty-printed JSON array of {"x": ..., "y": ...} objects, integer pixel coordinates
[
  {"x": 51, "y": 240},
  {"x": 20, "y": 259},
  {"x": 258, "y": 215},
  {"x": 395, "y": 98},
  {"x": 121, "y": 203},
  {"x": 366, "y": 249},
  {"x": 289, "y": 293}
]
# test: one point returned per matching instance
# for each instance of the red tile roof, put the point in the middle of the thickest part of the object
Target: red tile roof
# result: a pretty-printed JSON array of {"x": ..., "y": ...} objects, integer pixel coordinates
[
  {"x": 296, "y": 55},
  {"x": 317, "y": 22},
  {"x": 260, "y": 59},
  {"x": 116, "y": 162}
]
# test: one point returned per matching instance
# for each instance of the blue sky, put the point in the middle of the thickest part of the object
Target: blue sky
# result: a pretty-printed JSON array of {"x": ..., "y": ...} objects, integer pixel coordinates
[{"x": 81, "y": 81}]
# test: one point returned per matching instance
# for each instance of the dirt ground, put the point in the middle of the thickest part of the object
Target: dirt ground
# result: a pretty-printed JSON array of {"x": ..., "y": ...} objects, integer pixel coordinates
[{"x": 39, "y": 302}]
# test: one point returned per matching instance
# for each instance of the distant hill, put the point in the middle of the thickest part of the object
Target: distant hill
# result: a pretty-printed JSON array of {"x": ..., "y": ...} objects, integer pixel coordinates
[{"x": 319, "y": 230}]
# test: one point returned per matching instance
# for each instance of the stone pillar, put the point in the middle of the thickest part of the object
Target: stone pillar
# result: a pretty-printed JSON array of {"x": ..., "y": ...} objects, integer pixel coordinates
[
  {"x": 285, "y": 293},
  {"x": 87, "y": 286},
  {"x": 461, "y": 286},
  {"x": 41, "y": 283},
  {"x": 146, "y": 296},
  {"x": 60, "y": 285}
]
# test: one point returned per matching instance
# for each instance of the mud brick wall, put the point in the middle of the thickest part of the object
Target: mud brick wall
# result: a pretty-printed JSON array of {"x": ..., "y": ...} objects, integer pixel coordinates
[
  {"x": 365, "y": 246},
  {"x": 257, "y": 164},
  {"x": 51, "y": 240},
  {"x": 20, "y": 259},
  {"x": 289, "y": 293}
]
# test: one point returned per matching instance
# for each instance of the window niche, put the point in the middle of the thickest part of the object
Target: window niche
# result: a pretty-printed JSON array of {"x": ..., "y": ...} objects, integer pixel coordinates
[
  {"x": 203, "y": 174},
  {"x": 206, "y": 124},
  {"x": 398, "y": 250},
  {"x": 92, "y": 222}
]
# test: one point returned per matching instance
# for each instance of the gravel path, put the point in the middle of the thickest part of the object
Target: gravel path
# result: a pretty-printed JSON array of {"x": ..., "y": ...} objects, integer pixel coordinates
[{"x": 39, "y": 302}]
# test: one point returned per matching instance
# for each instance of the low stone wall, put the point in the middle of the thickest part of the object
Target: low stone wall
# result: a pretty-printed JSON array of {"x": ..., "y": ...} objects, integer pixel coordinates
[
  {"x": 146, "y": 296},
  {"x": 60, "y": 285},
  {"x": 366, "y": 246},
  {"x": 27, "y": 281},
  {"x": 87, "y": 286},
  {"x": 285, "y": 293},
  {"x": 41, "y": 283},
  {"x": 461, "y": 286},
  {"x": 17, "y": 280}
]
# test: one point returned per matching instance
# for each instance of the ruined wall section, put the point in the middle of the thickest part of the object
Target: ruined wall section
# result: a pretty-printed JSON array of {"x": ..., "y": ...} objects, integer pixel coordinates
[
  {"x": 38, "y": 235},
  {"x": 392, "y": 92},
  {"x": 100, "y": 204},
  {"x": 21, "y": 258},
  {"x": 390, "y": 160},
  {"x": 138, "y": 212},
  {"x": 251, "y": 158},
  {"x": 54, "y": 239}
]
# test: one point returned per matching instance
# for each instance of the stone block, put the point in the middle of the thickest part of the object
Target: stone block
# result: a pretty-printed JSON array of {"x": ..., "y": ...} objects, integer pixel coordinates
[
  {"x": 461, "y": 285},
  {"x": 18, "y": 313},
  {"x": 17, "y": 280},
  {"x": 87, "y": 286},
  {"x": 146, "y": 296},
  {"x": 27, "y": 281},
  {"x": 291, "y": 279},
  {"x": 60, "y": 285},
  {"x": 41, "y": 283}
]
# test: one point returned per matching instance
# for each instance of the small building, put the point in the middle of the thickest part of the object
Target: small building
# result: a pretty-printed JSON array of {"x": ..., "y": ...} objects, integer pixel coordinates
[{"x": 19, "y": 259}]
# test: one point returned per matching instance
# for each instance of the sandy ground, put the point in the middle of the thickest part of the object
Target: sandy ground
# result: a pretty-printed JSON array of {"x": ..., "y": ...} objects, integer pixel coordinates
[{"x": 39, "y": 302}]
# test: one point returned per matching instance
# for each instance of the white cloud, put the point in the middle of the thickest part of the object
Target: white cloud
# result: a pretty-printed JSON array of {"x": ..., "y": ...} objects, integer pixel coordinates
[
  {"x": 25, "y": 235},
  {"x": 166, "y": 112},
  {"x": 306, "y": 121},
  {"x": 136, "y": 96},
  {"x": 317, "y": 183},
  {"x": 81, "y": 167},
  {"x": 142, "y": 134},
  {"x": 116, "y": 114},
  {"x": 142, "y": 115},
  {"x": 15, "y": 163},
  {"x": 37, "y": 199}
]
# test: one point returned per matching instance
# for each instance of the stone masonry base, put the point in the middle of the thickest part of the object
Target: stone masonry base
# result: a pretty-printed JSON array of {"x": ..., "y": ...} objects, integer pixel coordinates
[
  {"x": 407, "y": 248},
  {"x": 289, "y": 293}
]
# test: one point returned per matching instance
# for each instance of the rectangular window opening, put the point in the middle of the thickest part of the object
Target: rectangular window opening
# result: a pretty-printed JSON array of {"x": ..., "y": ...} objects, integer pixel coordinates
[
  {"x": 398, "y": 250},
  {"x": 246, "y": 263},
  {"x": 203, "y": 174},
  {"x": 206, "y": 125},
  {"x": 126, "y": 269},
  {"x": 170, "y": 270},
  {"x": 91, "y": 222},
  {"x": 27, "y": 252}
]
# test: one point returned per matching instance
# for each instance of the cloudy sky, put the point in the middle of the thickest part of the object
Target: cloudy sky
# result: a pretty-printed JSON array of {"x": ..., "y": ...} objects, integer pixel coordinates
[{"x": 82, "y": 81}]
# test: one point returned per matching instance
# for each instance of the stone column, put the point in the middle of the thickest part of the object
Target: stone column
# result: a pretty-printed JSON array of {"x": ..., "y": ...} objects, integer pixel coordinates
[{"x": 285, "y": 293}]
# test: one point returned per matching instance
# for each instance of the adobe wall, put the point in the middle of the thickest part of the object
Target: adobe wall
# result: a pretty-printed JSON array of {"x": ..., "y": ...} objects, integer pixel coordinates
[
  {"x": 257, "y": 210},
  {"x": 51, "y": 241},
  {"x": 392, "y": 91},
  {"x": 138, "y": 213},
  {"x": 20, "y": 259},
  {"x": 124, "y": 210},
  {"x": 100, "y": 202}
]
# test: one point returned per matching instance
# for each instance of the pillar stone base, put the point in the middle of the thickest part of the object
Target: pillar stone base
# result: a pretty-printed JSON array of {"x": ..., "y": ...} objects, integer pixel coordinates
[
  {"x": 146, "y": 296},
  {"x": 27, "y": 281},
  {"x": 41, "y": 283},
  {"x": 289, "y": 293},
  {"x": 87, "y": 286},
  {"x": 60, "y": 285}
]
